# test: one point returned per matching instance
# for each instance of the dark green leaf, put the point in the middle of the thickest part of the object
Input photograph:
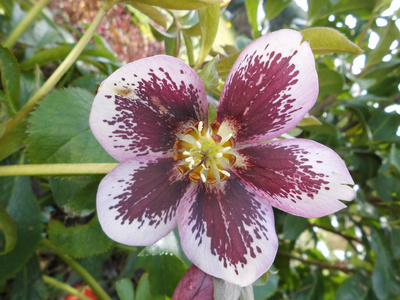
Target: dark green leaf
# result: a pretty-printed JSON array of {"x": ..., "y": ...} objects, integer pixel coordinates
[
  {"x": 79, "y": 240},
  {"x": 164, "y": 273},
  {"x": 9, "y": 70},
  {"x": 330, "y": 82},
  {"x": 385, "y": 283},
  {"x": 315, "y": 7},
  {"x": 264, "y": 292},
  {"x": 386, "y": 186},
  {"x": 125, "y": 289},
  {"x": 89, "y": 82},
  {"x": 384, "y": 126},
  {"x": 293, "y": 227},
  {"x": 59, "y": 130},
  {"x": 354, "y": 287},
  {"x": 7, "y": 226},
  {"x": 28, "y": 284},
  {"x": 275, "y": 7},
  {"x": 17, "y": 197}
]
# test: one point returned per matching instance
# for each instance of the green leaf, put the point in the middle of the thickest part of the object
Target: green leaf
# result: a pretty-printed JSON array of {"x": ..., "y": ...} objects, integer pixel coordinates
[
  {"x": 315, "y": 7},
  {"x": 209, "y": 74},
  {"x": 20, "y": 203},
  {"x": 264, "y": 292},
  {"x": 309, "y": 120},
  {"x": 152, "y": 12},
  {"x": 125, "y": 289},
  {"x": 354, "y": 287},
  {"x": 252, "y": 7},
  {"x": 293, "y": 227},
  {"x": 13, "y": 140},
  {"x": 9, "y": 229},
  {"x": 225, "y": 64},
  {"x": 330, "y": 82},
  {"x": 180, "y": 4},
  {"x": 209, "y": 20},
  {"x": 171, "y": 39},
  {"x": 275, "y": 7},
  {"x": 384, "y": 126},
  {"x": 28, "y": 284},
  {"x": 59, "y": 130},
  {"x": 89, "y": 82},
  {"x": 385, "y": 283},
  {"x": 164, "y": 274},
  {"x": 386, "y": 37},
  {"x": 325, "y": 40},
  {"x": 387, "y": 187},
  {"x": 169, "y": 245},
  {"x": 59, "y": 53},
  {"x": 9, "y": 70},
  {"x": 143, "y": 289},
  {"x": 79, "y": 240}
]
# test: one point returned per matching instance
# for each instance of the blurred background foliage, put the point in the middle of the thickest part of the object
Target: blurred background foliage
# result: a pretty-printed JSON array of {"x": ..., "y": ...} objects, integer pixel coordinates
[{"x": 48, "y": 224}]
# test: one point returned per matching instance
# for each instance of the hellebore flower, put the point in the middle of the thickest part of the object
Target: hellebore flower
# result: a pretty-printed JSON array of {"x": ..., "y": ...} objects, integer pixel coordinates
[{"x": 216, "y": 181}]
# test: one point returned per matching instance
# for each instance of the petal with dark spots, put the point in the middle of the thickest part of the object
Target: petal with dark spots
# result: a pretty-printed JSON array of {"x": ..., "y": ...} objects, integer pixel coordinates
[
  {"x": 141, "y": 107},
  {"x": 301, "y": 177},
  {"x": 270, "y": 88},
  {"x": 137, "y": 201},
  {"x": 228, "y": 231}
]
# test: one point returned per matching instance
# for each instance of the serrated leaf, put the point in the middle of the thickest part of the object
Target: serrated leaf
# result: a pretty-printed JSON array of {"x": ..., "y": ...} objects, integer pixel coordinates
[
  {"x": 59, "y": 130},
  {"x": 7, "y": 226},
  {"x": 209, "y": 20},
  {"x": 9, "y": 70},
  {"x": 326, "y": 40},
  {"x": 13, "y": 140},
  {"x": 125, "y": 289},
  {"x": 180, "y": 4},
  {"x": 209, "y": 74},
  {"x": 79, "y": 240},
  {"x": 20, "y": 203}
]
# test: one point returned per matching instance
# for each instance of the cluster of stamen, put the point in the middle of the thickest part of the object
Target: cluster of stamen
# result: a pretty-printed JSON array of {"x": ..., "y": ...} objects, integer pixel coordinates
[{"x": 203, "y": 154}]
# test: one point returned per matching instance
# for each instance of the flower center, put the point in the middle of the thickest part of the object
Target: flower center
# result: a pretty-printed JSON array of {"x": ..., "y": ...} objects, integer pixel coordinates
[{"x": 204, "y": 153}]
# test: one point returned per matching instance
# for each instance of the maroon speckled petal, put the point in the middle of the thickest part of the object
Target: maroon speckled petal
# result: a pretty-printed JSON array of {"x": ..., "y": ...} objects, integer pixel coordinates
[
  {"x": 270, "y": 88},
  {"x": 301, "y": 177},
  {"x": 141, "y": 107},
  {"x": 137, "y": 200},
  {"x": 228, "y": 231},
  {"x": 194, "y": 285}
]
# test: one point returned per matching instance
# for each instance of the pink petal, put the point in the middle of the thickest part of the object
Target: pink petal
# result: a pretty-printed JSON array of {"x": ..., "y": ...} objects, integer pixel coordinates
[
  {"x": 137, "y": 200},
  {"x": 301, "y": 177},
  {"x": 194, "y": 285},
  {"x": 270, "y": 88},
  {"x": 141, "y": 107},
  {"x": 228, "y": 231}
]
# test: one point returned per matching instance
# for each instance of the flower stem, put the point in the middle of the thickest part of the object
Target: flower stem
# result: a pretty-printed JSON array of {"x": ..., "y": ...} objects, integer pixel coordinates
[
  {"x": 25, "y": 23},
  {"x": 56, "y": 169},
  {"x": 58, "y": 73},
  {"x": 63, "y": 286},
  {"x": 97, "y": 289}
]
